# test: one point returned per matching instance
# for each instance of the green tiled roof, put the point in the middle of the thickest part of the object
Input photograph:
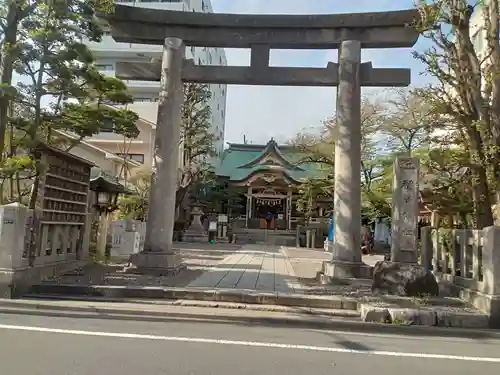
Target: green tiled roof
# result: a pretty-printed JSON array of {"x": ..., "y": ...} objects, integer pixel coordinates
[
  {"x": 241, "y": 160},
  {"x": 100, "y": 180}
]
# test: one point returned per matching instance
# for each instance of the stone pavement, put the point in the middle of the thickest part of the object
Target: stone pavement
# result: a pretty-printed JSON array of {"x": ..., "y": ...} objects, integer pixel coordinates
[
  {"x": 276, "y": 269},
  {"x": 254, "y": 267},
  {"x": 261, "y": 268}
]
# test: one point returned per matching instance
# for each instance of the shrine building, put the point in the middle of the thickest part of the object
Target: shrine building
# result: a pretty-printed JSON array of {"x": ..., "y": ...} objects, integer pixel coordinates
[{"x": 269, "y": 176}]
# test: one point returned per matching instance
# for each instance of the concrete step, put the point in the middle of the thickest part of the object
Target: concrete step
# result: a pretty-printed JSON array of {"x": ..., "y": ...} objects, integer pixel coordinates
[
  {"x": 48, "y": 301},
  {"x": 242, "y": 296},
  {"x": 139, "y": 311}
]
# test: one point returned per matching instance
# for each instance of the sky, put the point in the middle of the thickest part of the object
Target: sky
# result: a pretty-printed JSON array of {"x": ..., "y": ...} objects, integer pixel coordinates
[{"x": 264, "y": 112}]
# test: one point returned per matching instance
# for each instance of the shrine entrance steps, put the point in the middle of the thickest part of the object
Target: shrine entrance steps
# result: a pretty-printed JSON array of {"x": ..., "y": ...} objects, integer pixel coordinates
[{"x": 272, "y": 237}]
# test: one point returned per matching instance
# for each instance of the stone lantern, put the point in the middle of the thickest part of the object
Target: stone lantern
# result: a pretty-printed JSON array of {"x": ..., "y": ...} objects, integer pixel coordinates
[{"x": 196, "y": 231}]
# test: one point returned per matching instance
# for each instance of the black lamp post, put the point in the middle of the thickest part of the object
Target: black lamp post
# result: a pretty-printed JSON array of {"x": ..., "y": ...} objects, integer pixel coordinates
[
  {"x": 106, "y": 201},
  {"x": 107, "y": 189}
]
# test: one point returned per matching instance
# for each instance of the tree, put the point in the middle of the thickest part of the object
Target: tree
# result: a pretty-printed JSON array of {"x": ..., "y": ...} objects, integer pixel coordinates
[
  {"x": 408, "y": 121},
  {"x": 376, "y": 189},
  {"x": 197, "y": 137},
  {"x": 310, "y": 191},
  {"x": 62, "y": 90},
  {"x": 217, "y": 195},
  {"x": 12, "y": 14},
  {"x": 447, "y": 181},
  {"x": 319, "y": 149},
  {"x": 136, "y": 206},
  {"x": 467, "y": 94}
]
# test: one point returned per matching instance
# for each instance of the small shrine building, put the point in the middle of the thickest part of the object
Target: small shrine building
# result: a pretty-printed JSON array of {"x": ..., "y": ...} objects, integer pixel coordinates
[{"x": 269, "y": 176}]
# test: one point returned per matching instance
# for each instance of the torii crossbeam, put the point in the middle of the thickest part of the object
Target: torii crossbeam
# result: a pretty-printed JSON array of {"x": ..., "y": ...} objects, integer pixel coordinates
[{"x": 347, "y": 32}]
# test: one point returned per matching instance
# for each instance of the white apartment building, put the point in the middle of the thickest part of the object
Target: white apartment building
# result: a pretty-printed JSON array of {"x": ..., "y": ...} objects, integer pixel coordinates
[
  {"x": 478, "y": 31},
  {"x": 108, "y": 52}
]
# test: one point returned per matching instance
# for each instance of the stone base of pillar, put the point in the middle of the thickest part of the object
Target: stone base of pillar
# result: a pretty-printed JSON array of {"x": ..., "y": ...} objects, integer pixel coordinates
[
  {"x": 399, "y": 256},
  {"x": 341, "y": 269},
  {"x": 162, "y": 264},
  {"x": 328, "y": 246}
]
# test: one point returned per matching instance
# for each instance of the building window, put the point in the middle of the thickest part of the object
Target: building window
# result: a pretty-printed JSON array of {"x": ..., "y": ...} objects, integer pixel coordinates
[
  {"x": 222, "y": 113},
  {"x": 135, "y": 157},
  {"x": 104, "y": 67},
  {"x": 107, "y": 126},
  {"x": 110, "y": 102}
]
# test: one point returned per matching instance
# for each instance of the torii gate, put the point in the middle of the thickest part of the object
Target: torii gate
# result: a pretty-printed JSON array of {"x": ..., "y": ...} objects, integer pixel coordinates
[{"x": 347, "y": 32}]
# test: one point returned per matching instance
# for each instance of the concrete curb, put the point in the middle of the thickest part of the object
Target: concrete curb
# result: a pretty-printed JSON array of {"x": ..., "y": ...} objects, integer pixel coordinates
[
  {"x": 435, "y": 316},
  {"x": 64, "y": 303},
  {"x": 216, "y": 295},
  {"x": 212, "y": 316}
]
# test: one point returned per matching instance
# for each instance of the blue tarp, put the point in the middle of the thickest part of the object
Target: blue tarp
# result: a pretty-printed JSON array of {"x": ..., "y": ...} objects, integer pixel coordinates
[{"x": 330, "y": 230}]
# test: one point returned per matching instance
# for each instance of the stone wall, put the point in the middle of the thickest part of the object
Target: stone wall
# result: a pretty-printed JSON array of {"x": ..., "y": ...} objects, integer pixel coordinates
[
  {"x": 468, "y": 263},
  {"x": 26, "y": 260}
]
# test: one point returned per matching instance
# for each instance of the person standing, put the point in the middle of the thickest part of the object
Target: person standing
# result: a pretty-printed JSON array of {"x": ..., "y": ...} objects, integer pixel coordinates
[{"x": 269, "y": 218}]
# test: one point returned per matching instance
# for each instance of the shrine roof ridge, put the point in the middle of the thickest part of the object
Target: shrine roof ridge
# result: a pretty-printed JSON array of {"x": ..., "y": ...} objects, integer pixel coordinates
[
  {"x": 257, "y": 146},
  {"x": 263, "y": 21}
]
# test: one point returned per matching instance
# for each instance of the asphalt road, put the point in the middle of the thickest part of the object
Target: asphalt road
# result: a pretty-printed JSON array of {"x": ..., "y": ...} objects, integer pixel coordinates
[{"x": 34, "y": 345}]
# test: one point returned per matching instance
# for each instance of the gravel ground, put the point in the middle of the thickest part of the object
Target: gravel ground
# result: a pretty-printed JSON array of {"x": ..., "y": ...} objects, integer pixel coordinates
[
  {"x": 349, "y": 288},
  {"x": 196, "y": 260},
  {"x": 425, "y": 303}
]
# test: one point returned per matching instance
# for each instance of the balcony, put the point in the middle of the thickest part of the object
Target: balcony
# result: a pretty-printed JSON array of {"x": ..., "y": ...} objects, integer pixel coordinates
[
  {"x": 137, "y": 87},
  {"x": 108, "y": 48}
]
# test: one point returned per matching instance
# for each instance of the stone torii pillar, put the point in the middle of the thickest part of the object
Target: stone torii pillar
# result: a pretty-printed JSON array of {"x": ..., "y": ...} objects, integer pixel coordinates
[
  {"x": 158, "y": 254},
  {"x": 346, "y": 256},
  {"x": 261, "y": 34}
]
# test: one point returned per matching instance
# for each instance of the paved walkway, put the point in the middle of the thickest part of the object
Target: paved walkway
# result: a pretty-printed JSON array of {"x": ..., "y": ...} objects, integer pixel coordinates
[
  {"x": 267, "y": 268},
  {"x": 257, "y": 267},
  {"x": 262, "y": 267}
]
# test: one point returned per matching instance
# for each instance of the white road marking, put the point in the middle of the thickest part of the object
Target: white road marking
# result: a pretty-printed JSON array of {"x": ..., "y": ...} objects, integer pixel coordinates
[{"x": 247, "y": 343}]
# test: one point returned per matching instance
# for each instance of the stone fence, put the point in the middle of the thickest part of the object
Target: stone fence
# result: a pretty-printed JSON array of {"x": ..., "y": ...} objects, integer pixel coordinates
[
  {"x": 26, "y": 259},
  {"x": 466, "y": 261}
]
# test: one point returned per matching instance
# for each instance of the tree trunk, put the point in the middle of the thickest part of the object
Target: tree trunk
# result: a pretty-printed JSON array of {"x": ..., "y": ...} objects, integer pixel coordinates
[
  {"x": 179, "y": 196},
  {"x": 7, "y": 67},
  {"x": 481, "y": 198},
  {"x": 481, "y": 193}
]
